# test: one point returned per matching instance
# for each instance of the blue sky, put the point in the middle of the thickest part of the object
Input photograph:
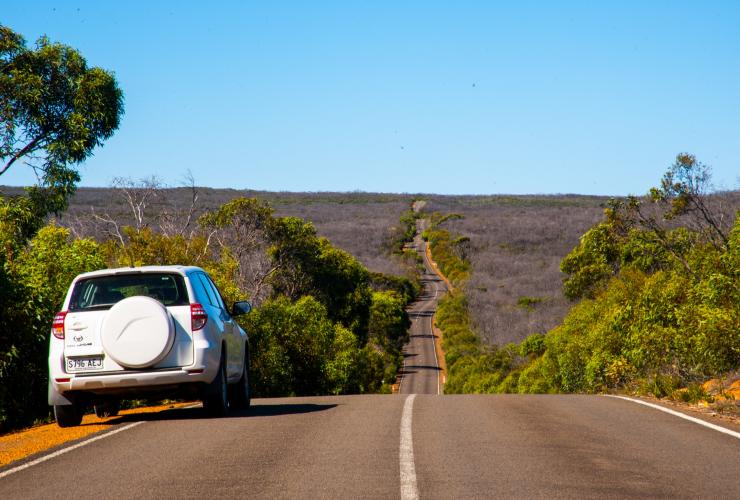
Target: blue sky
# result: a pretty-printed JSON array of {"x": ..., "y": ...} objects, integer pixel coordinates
[{"x": 443, "y": 97}]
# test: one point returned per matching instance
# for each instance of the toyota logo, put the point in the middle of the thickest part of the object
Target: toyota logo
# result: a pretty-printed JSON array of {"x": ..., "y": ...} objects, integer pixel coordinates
[{"x": 78, "y": 338}]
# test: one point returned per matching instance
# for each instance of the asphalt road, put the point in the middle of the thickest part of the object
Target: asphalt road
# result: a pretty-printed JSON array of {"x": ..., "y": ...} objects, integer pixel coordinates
[
  {"x": 420, "y": 373},
  {"x": 473, "y": 446}
]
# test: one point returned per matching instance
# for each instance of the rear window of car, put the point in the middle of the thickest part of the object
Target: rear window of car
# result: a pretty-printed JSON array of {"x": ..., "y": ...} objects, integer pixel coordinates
[{"x": 103, "y": 291}]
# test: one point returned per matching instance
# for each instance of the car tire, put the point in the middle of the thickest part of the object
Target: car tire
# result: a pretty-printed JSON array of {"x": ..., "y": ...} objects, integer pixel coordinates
[
  {"x": 216, "y": 398},
  {"x": 240, "y": 395},
  {"x": 68, "y": 415},
  {"x": 107, "y": 409}
]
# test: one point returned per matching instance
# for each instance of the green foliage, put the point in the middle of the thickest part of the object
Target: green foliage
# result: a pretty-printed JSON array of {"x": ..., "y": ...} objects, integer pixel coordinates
[
  {"x": 298, "y": 351},
  {"x": 389, "y": 322},
  {"x": 449, "y": 253},
  {"x": 34, "y": 282},
  {"x": 590, "y": 265},
  {"x": 308, "y": 265},
  {"x": 437, "y": 219},
  {"x": 659, "y": 310},
  {"x": 528, "y": 303},
  {"x": 149, "y": 248},
  {"x": 401, "y": 285},
  {"x": 693, "y": 393},
  {"x": 292, "y": 344},
  {"x": 55, "y": 110},
  {"x": 534, "y": 345},
  {"x": 405, "y": 232}
]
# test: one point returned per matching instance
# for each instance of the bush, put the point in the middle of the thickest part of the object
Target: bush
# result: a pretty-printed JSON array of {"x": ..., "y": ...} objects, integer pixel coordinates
[
  {"x": 33, "y": 285},
  {"x": 654, "y": 322}
]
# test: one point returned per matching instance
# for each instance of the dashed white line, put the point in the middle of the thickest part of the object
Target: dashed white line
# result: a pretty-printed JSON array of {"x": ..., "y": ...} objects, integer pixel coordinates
[
  {"x": 699, "y": 421},
  {"x": 409, "y": 490},
  {"x": 68, "y": 449}
]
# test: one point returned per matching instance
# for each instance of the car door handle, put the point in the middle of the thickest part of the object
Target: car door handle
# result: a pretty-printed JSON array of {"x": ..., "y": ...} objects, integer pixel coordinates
[{"x": 78, "y": 326}]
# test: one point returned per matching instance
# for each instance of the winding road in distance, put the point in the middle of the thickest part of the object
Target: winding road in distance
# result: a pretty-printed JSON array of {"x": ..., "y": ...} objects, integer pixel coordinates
[
  {"x": 416, "y": 444},
  {"x": 421, "y": 372}
]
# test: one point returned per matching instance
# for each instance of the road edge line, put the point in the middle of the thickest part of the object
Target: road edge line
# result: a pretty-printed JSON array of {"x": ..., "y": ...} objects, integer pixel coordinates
[
  {"x": 409, "y": 489},
  {"x": 695, "y": 420},
  {"x": 67, "y": 449},
  {"x": 442, "y": 369}
]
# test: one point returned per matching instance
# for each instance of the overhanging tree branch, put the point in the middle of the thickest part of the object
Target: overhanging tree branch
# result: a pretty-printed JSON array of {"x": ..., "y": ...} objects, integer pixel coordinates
[{"x": 27, "y": 149}]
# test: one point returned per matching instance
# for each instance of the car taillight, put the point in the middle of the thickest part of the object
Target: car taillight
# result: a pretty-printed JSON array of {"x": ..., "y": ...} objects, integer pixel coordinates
[
  {"x": 57, "y": 326},
  {"x": 198, "y": 316}
]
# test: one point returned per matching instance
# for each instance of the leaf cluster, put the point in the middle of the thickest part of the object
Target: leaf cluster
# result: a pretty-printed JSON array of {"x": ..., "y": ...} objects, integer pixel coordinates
[{"x": 54, "y": 110}]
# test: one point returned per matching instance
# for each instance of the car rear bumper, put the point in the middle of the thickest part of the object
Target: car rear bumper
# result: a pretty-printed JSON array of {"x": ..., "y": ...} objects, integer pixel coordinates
[{"x": 65, "y": 388}]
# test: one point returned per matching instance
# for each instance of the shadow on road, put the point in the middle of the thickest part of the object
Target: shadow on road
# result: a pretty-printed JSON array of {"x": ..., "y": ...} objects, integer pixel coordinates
[
  {"x": 256, "y": 410},
  {"x": 420, "y": 314},
  {"x": 270, "y": 410},
  {"x": 415, "y": 368}
]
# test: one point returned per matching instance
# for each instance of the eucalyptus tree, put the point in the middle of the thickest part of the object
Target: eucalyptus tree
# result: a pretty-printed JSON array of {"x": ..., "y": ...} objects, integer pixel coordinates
[{"x": 54, "y": 111}]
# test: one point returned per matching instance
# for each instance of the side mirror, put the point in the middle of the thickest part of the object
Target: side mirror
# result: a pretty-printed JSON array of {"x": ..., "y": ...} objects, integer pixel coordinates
[{"x": 241, "y": 307}]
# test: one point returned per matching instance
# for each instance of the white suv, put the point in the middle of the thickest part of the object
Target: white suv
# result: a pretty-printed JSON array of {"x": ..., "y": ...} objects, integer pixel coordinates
[{"x": 155, "y": 331}]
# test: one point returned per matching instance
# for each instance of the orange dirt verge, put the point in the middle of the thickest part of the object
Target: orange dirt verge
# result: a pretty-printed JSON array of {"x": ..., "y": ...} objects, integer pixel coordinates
[
  {"x": 440, "y": 353},
  {"x": 436, "y": 269},
  {"x": 436, "y": 331},
  {"x": 20, "y": 444}
]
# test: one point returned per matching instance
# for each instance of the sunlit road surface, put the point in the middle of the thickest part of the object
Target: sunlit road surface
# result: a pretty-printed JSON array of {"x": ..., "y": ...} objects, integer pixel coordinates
[
  {"x": 473, "y": 446},
  {"x": 421, "y": 373}
]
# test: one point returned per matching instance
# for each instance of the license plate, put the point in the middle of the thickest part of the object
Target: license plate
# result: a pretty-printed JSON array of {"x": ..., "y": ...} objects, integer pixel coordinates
[{"x": 84, "y": 364}]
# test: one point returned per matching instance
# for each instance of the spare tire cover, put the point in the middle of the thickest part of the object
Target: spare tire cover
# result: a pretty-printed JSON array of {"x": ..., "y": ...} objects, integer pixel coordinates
[{"x": 137, "y": 332}]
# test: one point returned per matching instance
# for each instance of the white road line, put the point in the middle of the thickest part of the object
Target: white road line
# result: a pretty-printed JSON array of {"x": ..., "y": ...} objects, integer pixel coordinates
[
  {"x": 431, "y": 326},
  {"x": 699, "y": 421},
  {"x": 66, "y": 450},
  {"x": 434, "y": 343},
  {"x": 409, "y": 491}
]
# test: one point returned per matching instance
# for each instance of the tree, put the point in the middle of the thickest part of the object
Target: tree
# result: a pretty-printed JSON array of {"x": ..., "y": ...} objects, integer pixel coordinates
[
  {"x": 55, "y": 110},
  {"x": 240, "y": 230},
  {"x": 651, "y": 233},
  {"x": 685, "y": 189},
  {"x": 309, "y": 265},
  {"x": 389, "y": 323}
]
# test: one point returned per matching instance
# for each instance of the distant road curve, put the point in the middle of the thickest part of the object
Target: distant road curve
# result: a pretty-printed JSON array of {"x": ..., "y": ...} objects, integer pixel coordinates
[{"x": 421, "y": 372}]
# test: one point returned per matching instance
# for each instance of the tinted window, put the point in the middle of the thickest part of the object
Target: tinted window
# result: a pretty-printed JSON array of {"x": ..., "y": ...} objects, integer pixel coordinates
[
  {"x": 104, "y": 291},
  {"x": 217, "y": 293},
  {"x": 209, "y": 291},
  {"x": 200, "y": 290}
]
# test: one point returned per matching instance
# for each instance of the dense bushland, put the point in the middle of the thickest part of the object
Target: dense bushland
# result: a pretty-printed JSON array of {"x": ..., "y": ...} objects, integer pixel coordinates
[
  {"x": 325, "y": 323},
  {"x": 34, "y": 276},
  {"x": 659, "y": 287}
]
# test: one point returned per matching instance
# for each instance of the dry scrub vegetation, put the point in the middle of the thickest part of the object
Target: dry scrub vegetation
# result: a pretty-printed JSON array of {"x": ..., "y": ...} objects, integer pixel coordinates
[
  {"x": 516, "y": 245},
  {"x": 516, "y": 242},
  {"x": 363, "y": 224}
]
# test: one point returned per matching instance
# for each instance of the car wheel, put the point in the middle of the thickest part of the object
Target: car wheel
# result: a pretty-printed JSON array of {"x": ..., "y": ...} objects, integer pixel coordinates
[
  {"x": 216, "y": 400},
  {"x": 107, "y": 409},
  {"x": 68, "y": 415},
  {"x": 240, "y": 395}
]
